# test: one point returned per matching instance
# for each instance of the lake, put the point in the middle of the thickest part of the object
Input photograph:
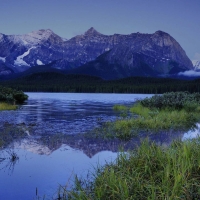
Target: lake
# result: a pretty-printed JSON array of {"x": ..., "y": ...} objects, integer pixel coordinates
[{"x": 48, "y": 141}]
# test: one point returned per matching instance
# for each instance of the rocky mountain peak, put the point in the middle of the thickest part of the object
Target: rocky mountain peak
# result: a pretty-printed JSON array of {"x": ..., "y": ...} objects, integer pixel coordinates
[
  {"x": 91, "y": 32},
  {"x": 161, "y": 33},
  {"x": 41, "y": 33},
  {"x": 36, "y": 37},
  {"x": 159, "y": 52}
]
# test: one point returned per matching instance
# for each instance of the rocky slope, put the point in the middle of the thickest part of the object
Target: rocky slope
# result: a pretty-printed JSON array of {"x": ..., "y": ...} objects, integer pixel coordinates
[{"x": 133, "y": 54}]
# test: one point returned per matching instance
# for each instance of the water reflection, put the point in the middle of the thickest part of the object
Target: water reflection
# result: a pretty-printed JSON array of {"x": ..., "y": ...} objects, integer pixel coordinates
[
  {"x": 46, "y": 135},
  {"x": 46, "y": 113},
  {"x": 8, "y": 160},
  {"x": 49, "y": 141},
  {"x": 45, "y": 167},
  {"x": 49, "y": 160},
  {"x": 193, "y": 133}
]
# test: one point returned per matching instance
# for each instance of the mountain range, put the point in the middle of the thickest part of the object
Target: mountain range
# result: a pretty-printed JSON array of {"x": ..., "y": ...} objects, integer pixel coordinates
[{"x": 92, "y": 53}]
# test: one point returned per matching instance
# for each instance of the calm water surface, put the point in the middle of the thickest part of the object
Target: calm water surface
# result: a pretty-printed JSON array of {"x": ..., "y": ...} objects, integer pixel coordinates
[
  {"x": 47, "y": 161},
  {"x": 44, "y": 165}
]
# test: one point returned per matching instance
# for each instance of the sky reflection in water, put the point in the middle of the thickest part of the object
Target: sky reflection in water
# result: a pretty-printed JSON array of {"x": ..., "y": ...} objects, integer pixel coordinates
[{"x": 46, "y": 165}]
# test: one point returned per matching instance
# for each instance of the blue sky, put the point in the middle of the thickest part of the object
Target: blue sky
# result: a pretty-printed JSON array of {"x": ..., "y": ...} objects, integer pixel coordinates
[{"x": 67, "y": 18}]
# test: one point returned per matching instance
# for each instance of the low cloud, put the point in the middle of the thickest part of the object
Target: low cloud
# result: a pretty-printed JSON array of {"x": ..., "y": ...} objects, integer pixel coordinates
[{"x": 190, "y": 73}]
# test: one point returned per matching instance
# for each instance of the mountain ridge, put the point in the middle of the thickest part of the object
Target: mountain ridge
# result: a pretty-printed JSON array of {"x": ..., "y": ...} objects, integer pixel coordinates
[{"x": 157, "y": 52}]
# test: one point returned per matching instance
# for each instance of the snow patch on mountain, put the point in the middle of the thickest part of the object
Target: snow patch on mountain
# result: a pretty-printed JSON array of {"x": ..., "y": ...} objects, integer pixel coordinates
[
  {"x": 64, "y": 39},
  {"x": 35, "y": 37},
  {"x": 20, "y": 61},
  {"x": 33, "y": 146},
  {"x": 3, "y": 59},
  {"x": 196, "y": 64},
  {"x": 39, "y": 62}
]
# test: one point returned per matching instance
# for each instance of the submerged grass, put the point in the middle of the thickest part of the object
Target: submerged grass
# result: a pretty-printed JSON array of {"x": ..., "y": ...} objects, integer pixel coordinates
[
  {"x": 6, "y": 106},
  {"x": 148, "y": 172}
]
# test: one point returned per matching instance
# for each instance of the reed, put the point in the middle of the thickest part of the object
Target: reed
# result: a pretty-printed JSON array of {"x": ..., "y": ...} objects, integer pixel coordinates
[{"x": 148, "y": 172}]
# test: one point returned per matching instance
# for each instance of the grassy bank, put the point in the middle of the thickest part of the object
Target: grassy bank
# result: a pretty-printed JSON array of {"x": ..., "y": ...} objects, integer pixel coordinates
[
  {"x": 170, "y": 111},
  {"x": 149, "y": 172},
  {"x": 6, "y": 106}
]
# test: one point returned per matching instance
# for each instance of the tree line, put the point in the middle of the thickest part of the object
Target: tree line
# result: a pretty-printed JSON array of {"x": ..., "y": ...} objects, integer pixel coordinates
[{"x": 55, "y": 82}]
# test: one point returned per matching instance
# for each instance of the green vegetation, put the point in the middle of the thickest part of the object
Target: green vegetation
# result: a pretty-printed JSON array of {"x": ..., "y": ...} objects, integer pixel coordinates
[
  {"x": 174, "y": 100},
  {"x": 170, "y": 111},
  {"x": 8, "y": 98},
  {"x": 6, "y": 106},
  {"x": 148, "y": 172},
  {"x": 57, "y": 82},
  {"x": 11, "y": 95}
]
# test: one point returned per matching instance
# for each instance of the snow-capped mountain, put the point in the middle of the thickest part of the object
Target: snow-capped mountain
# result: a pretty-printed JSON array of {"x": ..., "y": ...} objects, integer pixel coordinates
[
  {"x": 20, "y": 52},
  {"x": 159, "y": 51},
  {"x": 196, "y": 64}
]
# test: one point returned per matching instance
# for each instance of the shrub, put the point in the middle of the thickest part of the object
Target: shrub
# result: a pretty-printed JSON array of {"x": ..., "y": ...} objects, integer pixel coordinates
[
  {"x": 11, "y": 95},
  {"x": 20, "y": 97},
  {"x": 173, "y": 100}
]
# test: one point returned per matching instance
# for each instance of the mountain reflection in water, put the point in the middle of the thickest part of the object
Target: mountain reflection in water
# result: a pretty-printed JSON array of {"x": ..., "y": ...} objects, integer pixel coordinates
[{"x": 46, "y": 134}]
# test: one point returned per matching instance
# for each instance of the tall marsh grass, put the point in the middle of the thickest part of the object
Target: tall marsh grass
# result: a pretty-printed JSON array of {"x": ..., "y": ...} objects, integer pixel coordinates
[
  {"x": 149, "y": 172},
  {"x": 175, "y": 111}
]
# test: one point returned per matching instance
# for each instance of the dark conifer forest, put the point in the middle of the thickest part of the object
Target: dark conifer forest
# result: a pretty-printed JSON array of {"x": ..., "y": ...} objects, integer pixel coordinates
[{"x": 57, "y": 82}]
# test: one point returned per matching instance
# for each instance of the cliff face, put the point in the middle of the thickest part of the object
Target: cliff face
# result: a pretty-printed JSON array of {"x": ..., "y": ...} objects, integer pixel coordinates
[{"x": 157, "y": 53}]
